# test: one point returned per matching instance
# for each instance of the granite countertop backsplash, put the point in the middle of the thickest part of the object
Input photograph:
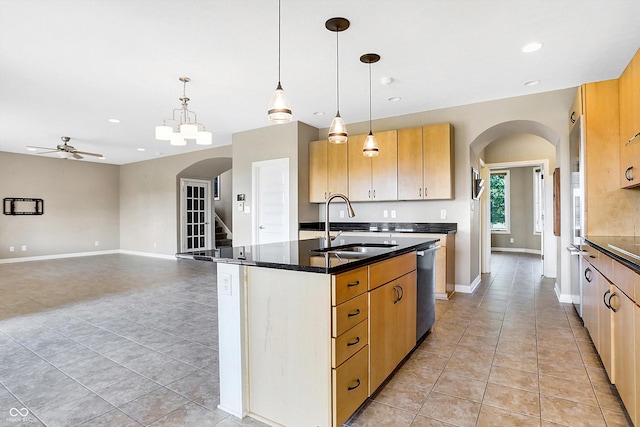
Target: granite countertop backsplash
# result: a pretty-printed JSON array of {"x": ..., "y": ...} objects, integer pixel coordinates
[{"x": 389, "y": 227}]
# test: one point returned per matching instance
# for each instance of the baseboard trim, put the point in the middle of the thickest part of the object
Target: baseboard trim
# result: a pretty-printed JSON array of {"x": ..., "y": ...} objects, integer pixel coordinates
[
  {"x": 468, "y": 289},
  {"x": 81, "y": 254},
  {"x": 564, "y": 298},
  {"x": 517, "y": 250},
  {"x": 57, "y": 256}
]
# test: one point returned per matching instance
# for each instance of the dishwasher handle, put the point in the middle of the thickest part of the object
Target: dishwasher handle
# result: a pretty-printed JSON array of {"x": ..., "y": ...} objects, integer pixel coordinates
[{"x": 431, "y": 249}]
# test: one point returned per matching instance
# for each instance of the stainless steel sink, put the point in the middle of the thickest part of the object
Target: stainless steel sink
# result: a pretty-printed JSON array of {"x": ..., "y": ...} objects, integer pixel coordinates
[{"x": 355, "y": 249}]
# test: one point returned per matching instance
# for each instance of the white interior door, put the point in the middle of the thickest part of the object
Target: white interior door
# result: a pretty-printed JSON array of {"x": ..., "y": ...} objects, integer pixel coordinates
[
  {"x": 271, "y": 201},
  {"x": 195, "y": 215}
]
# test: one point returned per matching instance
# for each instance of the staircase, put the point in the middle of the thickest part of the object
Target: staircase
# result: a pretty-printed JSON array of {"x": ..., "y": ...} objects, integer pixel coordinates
[{"x": 221, "y": 235}]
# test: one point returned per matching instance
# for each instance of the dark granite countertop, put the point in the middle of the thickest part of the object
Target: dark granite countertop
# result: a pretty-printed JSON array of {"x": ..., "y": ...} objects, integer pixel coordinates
[
  {"x": 390, "y": 227},
  {"x": 298, "y": 254},
  {"x": 624, "y": 249}
]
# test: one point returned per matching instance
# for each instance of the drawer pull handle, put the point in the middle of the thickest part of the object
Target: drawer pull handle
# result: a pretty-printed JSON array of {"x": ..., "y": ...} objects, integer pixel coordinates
[
  {"x": 604, "y": 297},
  {"x": 397, "y": 298},
  {"x": 349, "y": 344},
  {"x": 355, "y": 313},
  {"x": 627, "y": 174},
  {"x": 355, "y": 386},
  {"x": 572, "y": 118},
  {"x": 613, "y": 294},
  {"x": 349, "y": 285},
  {"x": 401, "y": 292},
  {"x": 587, "y": 274}
]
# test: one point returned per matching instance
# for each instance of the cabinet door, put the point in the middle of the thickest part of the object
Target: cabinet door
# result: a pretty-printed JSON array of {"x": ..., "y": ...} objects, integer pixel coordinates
[
  {"x": 590, "y": 299},
  {"x": 624, "y": 353},
  {"x": 410, "y": 174},
  {"x": 337, "y": 181},
  {"x": 629, "y": 89},
  {"x": 384, "y": 167},
  {"x": 359, "y": 171},
  {"x": 382, "y": 333},
  {"x": 318, "y": 171},
  {"x": 406, "y": 315},
  {"x": 437, "y": 147},
  {"x": 604, "y": 343}
]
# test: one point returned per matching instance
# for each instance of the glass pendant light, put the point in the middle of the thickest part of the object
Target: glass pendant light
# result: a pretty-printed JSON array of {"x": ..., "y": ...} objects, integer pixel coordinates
[
  {"x": 338, "y": 130},
  {"x": 370, "y": 147},
  {"x": 279, "y": 107}
]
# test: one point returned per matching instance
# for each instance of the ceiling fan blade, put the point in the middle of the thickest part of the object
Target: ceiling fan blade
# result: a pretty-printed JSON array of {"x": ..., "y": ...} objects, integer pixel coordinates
[
  {"x": 88, "y": 154},
  {"x": 48, "y": 152},
  {"x": 76, "y": 155},
  {"x": 41, "y": 148}
]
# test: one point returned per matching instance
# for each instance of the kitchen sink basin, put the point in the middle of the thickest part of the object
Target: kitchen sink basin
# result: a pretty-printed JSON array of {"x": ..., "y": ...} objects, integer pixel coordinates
[{"x": 355, "y": 249}]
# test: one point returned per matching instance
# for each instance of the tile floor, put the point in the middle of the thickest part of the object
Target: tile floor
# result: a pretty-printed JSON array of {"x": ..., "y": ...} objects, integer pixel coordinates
[{"x": 122, "y": 340}]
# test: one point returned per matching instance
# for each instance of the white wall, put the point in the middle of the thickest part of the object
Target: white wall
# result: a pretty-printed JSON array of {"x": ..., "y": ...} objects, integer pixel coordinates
[{"x": 81, "y": 206}]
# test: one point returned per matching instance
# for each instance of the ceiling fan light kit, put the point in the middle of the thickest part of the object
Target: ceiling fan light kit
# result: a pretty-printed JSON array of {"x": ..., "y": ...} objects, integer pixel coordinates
[
  {"x": 65, "y": 150},
  {"x": 186, "y": 123}
]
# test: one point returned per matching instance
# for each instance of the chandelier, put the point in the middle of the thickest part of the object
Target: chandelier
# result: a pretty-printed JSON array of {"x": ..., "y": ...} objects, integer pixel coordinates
[{"x": 186, "y": 124}]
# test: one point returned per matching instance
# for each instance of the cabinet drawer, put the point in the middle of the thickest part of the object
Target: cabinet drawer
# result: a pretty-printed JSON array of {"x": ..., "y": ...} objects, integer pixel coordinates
[
  {"x": 348, "y": 344},
  {"x": 348, "y": 285},
  {"x": 348, "y": 314},
  {"x": 627, "y": 280},
  {"x": 385, "y": 271},
  {"x": 599, "y": 260},
  {"x": 350, "y": 386}
]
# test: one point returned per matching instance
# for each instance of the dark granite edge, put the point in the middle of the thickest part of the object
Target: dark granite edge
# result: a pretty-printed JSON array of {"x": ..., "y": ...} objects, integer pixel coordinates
[
  {"x": 390, "y": 227},
  {"x": 617, "y": 257}
]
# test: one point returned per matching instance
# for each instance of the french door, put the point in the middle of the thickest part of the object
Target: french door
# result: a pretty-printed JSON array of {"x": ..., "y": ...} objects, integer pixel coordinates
[{"x": 195, "y": 215}]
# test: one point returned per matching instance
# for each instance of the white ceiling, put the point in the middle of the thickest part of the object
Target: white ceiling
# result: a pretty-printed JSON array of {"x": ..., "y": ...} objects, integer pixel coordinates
[{"x": 66, "y": 66}]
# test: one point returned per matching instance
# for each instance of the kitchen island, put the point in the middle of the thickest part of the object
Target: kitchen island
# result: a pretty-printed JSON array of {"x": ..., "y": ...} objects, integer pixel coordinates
[{"x": 306, "y": 334}]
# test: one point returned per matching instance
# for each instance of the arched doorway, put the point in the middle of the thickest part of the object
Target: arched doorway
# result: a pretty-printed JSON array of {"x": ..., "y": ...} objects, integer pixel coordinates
[
  {"x": 206, "y": 183},
  {"x": 504, "y": 131}
]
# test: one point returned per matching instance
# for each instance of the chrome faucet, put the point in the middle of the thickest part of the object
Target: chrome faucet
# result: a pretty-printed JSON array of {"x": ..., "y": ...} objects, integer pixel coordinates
[{"x": 350, "y": 212}]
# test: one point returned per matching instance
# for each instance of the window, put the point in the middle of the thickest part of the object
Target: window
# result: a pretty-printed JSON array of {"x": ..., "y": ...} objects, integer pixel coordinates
[
  {"x": 538, "y": 201},
  {"x": 499, "y": 194}
]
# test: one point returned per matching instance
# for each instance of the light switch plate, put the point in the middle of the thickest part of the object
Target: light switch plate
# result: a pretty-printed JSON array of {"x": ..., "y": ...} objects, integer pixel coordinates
[{"x": 226, "y": 284}]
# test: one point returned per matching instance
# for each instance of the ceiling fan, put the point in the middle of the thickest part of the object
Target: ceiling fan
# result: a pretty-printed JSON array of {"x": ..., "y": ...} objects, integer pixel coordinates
[{"x": 65, "y": 150}]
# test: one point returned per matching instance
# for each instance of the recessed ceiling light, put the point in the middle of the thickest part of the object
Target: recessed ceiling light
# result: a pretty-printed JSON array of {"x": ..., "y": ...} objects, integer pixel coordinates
[
  {"x": 386, "y": 81},
  {"x": 532, "y": 82},
  {"x": 114, "y": 121},
  {"x": 532, "y": 47},
  {"x": 319, "y": 113},
  {"x": 394, "y": 99},
  {"x": 141, "y": 149}
]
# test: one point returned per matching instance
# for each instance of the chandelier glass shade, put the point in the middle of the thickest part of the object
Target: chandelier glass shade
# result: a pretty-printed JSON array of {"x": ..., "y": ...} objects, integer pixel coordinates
[{"x": 183, "y": 124}]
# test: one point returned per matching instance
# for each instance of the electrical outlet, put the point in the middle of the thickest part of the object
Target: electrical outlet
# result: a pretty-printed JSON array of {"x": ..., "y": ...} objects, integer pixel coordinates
[
  {"x": 11, "y": 249},
  {"x": 385, "y": 213},
  {"x": 24, "y": 248},
  {"x": 512, "y": 240},
  {"x": 226, "y": 284},
  {"x": 443, "y": 214},
  {"x": 97, "y": 243},
  {"x": 341, "y": 214},
  {"x": 393, "y": 213}
]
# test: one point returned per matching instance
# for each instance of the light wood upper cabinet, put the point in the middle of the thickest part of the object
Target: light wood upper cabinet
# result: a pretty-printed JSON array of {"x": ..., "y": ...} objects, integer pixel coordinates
[
  {"x": 373, "y": 178},
  {"x": 437, "y": 143},
  {"x": 629, "y": 87},
  {"x": 426, "y": 163},
  {"x": 327, "y": 170}
]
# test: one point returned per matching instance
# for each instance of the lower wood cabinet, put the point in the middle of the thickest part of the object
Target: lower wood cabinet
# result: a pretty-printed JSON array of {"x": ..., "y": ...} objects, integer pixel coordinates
[
  {"x": 350, "y": 386},
  {"x": 624, "y": 369}
]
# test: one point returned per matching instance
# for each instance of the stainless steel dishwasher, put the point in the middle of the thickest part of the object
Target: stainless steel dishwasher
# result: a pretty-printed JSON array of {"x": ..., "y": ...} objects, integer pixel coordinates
[{"x": 426, "y": 295}]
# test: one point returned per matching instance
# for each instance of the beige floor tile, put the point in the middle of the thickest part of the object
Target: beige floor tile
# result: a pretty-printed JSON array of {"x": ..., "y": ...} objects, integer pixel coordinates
[
  {"x": 512, "y": 399},
  {"x": 569, "y": 390},
  {"x": 442, "y": 348},
  {"x": 466, "y": 352},
  {"x": 616, "y": 419},
  {"x": 463, "y": 387},
  {"x": 402, "y": 396},
  {"x": 558, "y": 355},
  {"x": 514, "y": 378},
  {"x": 422, "y": 421},
  {"x": 570, "y": 413},
  {"x": 375, "y": 414},
  {"x": 476, "y": 369},
  {"x": 568, "y": 371},
  {"x": 413, "y": 374},
  {"x": 609, "y": 399},
  {"x": 513, "y": 361},
  {"x": 426, "y": 359},
  {"x": 598, "y": 377},
  {"x": 520, "y": 348},
  {"x": 495, "y": 417},
  {"x": 450, "y": 409}
]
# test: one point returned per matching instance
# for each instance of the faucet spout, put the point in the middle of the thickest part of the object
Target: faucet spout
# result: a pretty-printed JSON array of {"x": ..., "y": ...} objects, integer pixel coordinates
[{"x": 327, "y": 223}]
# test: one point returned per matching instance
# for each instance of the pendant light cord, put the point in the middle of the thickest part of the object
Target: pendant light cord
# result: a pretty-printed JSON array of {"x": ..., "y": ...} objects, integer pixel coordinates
[
  {"x": 279, "y": 42},
  {"x": 369, "y": 97},
  {"x": 337, "y": 75}
]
